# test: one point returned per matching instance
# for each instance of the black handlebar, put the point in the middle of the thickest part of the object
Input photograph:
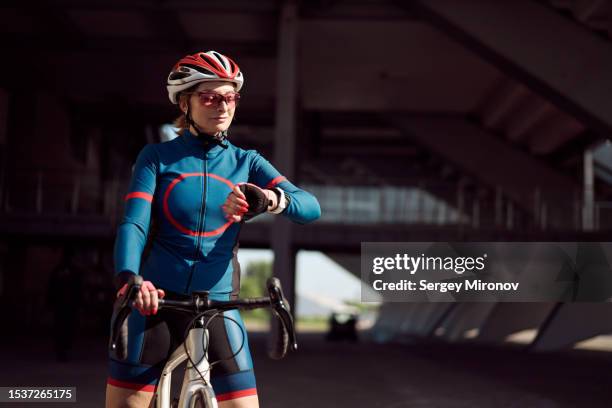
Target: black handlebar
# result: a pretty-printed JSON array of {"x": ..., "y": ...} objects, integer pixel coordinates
[{"x": 284, "y": 335}]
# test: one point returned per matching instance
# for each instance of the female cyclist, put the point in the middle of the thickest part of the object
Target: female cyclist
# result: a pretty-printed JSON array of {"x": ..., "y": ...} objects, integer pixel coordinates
[{"x": 193, "y": 191}]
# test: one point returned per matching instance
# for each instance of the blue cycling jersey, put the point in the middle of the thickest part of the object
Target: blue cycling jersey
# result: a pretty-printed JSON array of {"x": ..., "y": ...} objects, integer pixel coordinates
[{"x": 181, "y": 185}]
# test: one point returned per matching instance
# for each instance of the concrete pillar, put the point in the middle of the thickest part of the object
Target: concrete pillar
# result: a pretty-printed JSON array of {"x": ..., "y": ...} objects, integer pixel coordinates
[
  {"x": 13, "y": 284},
  {"x": 391, "y": 317},
  {"x": 571, "y": 323},
  {"x": 509, "y": 318},
  {"x": 4, "y": 97},
  {"x": 589, "y": 193},
  {"x": 427, "y": 317},
  {"x": 22, "y": 116},
  {"x": 284, "y": 138},
  {"x": 464, "y": 321}
]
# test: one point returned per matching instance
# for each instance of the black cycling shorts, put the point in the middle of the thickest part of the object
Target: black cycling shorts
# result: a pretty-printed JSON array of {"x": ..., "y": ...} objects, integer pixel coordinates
[{"x": 153, "y": 339}]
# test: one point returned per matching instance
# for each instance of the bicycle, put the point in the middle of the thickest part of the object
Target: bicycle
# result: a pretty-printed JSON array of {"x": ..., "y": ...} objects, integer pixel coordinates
[{"x": 196, "y": 390}]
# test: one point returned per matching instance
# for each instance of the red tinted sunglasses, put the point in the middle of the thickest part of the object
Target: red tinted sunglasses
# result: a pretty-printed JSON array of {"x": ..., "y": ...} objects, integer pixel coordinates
[{"x": 214, "y": 99}]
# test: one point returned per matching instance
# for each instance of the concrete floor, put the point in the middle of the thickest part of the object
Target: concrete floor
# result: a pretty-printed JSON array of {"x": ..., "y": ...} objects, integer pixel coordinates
[{"x": 356, "y": 375}]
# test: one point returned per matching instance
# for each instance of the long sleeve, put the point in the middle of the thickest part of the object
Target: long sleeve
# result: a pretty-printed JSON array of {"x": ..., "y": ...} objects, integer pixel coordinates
[
  {"x": 303, "y": 207},
  {"x": 134, "y": 227}
]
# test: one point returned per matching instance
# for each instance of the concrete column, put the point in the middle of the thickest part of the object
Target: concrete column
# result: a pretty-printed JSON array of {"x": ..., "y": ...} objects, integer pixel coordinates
[
  {"x": 509, "y": 318},
  {"x": 284, "y": 138},
  {"x": 572, "y": 323},
  {"x": 589, "y": 193},
  {"x": 461, "y": 203},
  {"x": 21, "y": 117},
  {"x": 286, "y": 93},
  {"x": 13, "y": 284},
  {"x": 464, "y": 321},
  {"x": 4, "y": 97}
]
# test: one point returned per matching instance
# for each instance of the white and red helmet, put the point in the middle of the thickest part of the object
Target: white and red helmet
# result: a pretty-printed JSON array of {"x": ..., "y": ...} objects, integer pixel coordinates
[{"x": 202, "y": 67}]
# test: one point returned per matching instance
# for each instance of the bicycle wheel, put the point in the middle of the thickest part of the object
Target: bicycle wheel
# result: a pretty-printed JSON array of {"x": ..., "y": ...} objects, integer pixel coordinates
[{"x": 203, "y": 398}]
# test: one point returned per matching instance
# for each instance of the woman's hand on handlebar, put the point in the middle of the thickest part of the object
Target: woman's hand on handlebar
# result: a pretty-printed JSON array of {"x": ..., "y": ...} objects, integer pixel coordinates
[{"x": 146, "y": 301}]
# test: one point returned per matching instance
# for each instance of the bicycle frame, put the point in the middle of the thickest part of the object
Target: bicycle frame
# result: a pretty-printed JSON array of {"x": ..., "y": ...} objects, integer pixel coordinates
[{"x": 192, "y": 382}]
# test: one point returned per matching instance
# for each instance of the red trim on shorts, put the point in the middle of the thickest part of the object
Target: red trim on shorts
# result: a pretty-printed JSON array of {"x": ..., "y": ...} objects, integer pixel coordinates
[
  {"x": 236, "y": 394},
  {"x": 131, "y": 386},
  {"x": 140, "y": 194},
  {"x": 275, "y": 181}
]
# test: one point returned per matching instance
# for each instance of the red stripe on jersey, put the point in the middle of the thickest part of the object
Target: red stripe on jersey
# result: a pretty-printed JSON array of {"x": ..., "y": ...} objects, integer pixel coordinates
[
  {"x": 276, "y": 181},
  {"x": 139, "y": 194}
]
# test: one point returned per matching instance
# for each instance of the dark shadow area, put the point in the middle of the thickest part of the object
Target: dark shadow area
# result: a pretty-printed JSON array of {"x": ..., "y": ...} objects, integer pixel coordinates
[{"x": 327, "y": 374}]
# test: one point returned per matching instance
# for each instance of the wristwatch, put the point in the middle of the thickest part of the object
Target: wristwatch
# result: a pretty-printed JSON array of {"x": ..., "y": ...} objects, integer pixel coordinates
[{"x": 282, "y": 201}]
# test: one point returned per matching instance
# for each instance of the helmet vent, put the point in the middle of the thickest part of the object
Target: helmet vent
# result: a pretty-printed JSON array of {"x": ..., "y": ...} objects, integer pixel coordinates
[
  {"x": 178, "y": 75},
  {"x": 220, "y": 59},
  {"x": 201, "y": 69}
]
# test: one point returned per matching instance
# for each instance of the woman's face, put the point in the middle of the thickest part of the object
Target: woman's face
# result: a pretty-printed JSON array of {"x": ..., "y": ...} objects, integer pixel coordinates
[{"x": 211, "y": 113}]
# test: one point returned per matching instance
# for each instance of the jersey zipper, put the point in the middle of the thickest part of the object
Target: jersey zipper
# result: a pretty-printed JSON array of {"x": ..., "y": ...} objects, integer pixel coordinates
[{"x": 201, "y": 222}]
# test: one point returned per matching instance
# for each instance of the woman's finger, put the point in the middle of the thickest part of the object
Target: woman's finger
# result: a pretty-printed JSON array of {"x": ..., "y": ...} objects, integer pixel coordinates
[
  {"x": 146, "y": 300},
  {"x": 234, "y": 202},
  {"x": 154, "y": 303},
  {"x": 233, "y": 210},
  {"x": 138, "y": 303},
  {"x": 240, "y": 208},
  {"x": 237, "y": 200},
  {"x": 233, "y": 217},
  {"x": 239, "y": 193}
]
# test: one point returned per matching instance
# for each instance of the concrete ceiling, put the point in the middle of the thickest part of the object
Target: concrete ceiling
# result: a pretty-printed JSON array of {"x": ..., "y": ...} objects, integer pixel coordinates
[{"x": 367, "y": 57}]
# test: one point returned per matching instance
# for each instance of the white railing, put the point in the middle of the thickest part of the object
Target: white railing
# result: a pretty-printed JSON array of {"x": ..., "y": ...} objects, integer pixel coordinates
[
  {"x": 63, "y": 192},
  {"x": 54, "y": 192}
]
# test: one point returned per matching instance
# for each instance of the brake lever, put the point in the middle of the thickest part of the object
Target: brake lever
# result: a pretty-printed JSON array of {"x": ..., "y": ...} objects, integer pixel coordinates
[
  {"x": 121, "y": 313},
  {"x": 282, "y": 309}
]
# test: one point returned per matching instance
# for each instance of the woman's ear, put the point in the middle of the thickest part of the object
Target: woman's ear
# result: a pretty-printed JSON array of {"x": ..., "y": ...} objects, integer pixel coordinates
[{"x": 184, "y": 103}]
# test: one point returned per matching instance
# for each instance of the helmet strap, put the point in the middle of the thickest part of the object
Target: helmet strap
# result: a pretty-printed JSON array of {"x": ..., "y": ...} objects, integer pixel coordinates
[{"x": 217, "y": 139}]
